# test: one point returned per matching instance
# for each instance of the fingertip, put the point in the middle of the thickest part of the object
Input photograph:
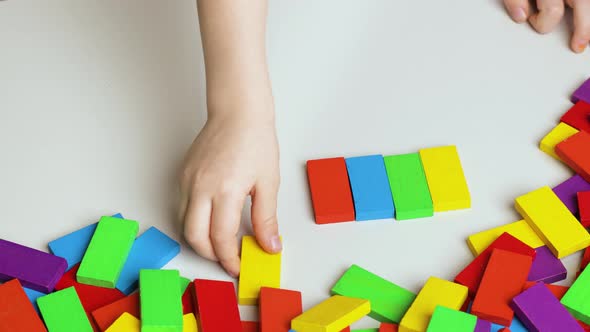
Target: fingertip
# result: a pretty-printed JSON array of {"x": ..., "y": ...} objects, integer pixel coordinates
[
  {"x": 518, "y": 14},
  {"x": 579, "y": 46},
  {"x": 232, "y": 266}
]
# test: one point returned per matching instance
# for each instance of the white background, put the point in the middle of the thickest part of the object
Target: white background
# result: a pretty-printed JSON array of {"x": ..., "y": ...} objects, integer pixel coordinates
[{"x": 100, "y": 100}]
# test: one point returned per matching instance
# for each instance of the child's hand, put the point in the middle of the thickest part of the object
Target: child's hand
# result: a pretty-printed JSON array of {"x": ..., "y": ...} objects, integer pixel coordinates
[
  {"x": 550, "y": 13},
  {"x": 235, "y": 155}
]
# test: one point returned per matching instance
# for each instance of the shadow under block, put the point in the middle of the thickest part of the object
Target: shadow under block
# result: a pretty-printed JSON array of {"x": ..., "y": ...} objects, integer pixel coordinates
[
  {"x": 33, "y": 268},
  {"x": 370, "y": 190},
  {"x": 446, "y": 181},
  {"x": 389, "y": 302},
  {"x": 578, "y": 116},
  {"x": 331, "y": 315},
  {"x": 553, "y": 222},
  {"x": 409, "y": 188},
  {"x": 546, "y": 267},
  {"x": 557, "y": 135},
  {"x": 105, "y": 316},
  {"x": 257, "y": 269},
  {"x": 277, "y": 309},
  {"x": 160, "y": 300},
  {"x": 574, "y": 151},
  {"x": 445, "y": 320},
  {"x": 189, "y": 323},
  {"x": 330, "y": 190},
  {"x": 217, "y": 305},
  {"x": 17, "y": 314},
  {"x": 567, "y": 192},
  {"x": 584, "y": 205},
  {"x": 576, "y": 298},
  {"x": 471, "y": 275},
  {"x": 521, "y": 230},
  {"x": 503, "y": 279},
  {"x": 435, "y": 292},
  {"x": 125, "y": 323},
  {"x": 62, "y": 311},
  {"x": 151, "y": 250}
]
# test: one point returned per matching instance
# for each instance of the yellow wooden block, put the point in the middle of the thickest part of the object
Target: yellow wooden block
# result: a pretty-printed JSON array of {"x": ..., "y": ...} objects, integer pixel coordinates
[
  {"x": 258, "y": 269},
  {"x": 521, "y": 230},
  {"x": 557, "y": 135},
  {"x": 189, "y": 323},
  {"x": 445, "y": 178},
  {"x": 435, "y": 292},
  {"x": 332, "y": 315},
  {"x": 125, "y": 323},
  {"x": 553, "y": 222}
]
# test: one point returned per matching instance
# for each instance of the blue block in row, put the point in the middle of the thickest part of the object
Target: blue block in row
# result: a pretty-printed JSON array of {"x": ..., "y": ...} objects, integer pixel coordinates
[{"x": 33, "y": 295}]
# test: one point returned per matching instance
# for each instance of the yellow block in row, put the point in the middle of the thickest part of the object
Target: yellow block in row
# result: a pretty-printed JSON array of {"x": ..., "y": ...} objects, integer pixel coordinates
[
  {"x": 557, "y": 135},
  {"x": 333, "y": 315},
  {"x": 258, "y": 269},
  {"x": 553, "y": 222},
  {"x": 435, "y": 292},
  {"x": 128, "y": 323},
  {"x": 478, "y": 242}
]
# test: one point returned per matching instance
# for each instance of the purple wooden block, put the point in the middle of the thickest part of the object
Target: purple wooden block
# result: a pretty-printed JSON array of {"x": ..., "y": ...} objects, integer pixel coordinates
[
  {"x": 568, "y": 190},
  {"x": 546, "y": 267},
  {"x": 539, "y": 310},
  {"x": 482, "y": 326},
  {"x": 35, "y": 269},
  {"x": 582, "y": 93}
]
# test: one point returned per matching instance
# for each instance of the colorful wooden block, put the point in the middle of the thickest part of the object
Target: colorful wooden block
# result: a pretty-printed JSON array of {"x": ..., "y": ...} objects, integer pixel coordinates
[
  {"x": 17, "y": 314},
  {"x": 189, "y": 323},
  {"x": 248, "y": 326},
  {"x": 125, "y": 323},
  {"x": 62, "y": 311},
  {"x": 277, "y": 308},
  {"x": 331, "y": 315},
  {"x": 568, "y": 190},
  {"x": 435, "y": 292},
  {"x": 389, "y": 302},
  {"x": 521, "y": 230},
  {"x": 408, "y": 185},
  {"x": 557, "y": 290},
  {"x": 106, "y": 316},
  {"x": 366, "y": 330},
  {"x": 584, "y": 205},
  {"x": 388, "y": 327},
  {"x": 482, "y": 326},
  {"x": 188, "y": 305},
  {"x": 217, "y": 305},
  {"x": 445, "y": 320},
  {"x": 151, "y": 250},
  {"x": 330, "y": 190},
  {"x": 553, "y": 222},
  {"x": 258, "y": 269},
  {"x": 33, "y": 268},
  {"x": 160, "y": 303},
  {"x": 582, "y": 92},
  {"x": 471, "y": 275},
  {"x": 539, "y": 310},
  {"x": 585, "y": 259},
  {"x": 574, "y": 152},
  {"x": 33, "y": 295},
  {"x": 446, "y": 181},
  {"x": 546, "y": 267},
  {"x": 576, "y": 298},
  {"x": 504, "y": 278},
  {"x": 370, "y": 190},
  {"x": 556, "y": 136},
  {"x": 578, "y": 115}
]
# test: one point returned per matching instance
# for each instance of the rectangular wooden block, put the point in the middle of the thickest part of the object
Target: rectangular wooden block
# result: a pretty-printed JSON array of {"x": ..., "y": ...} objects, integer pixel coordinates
[
  {"x": 151, "y": 250},
  {"x": 331, "y": 315},
  {"x": 388, "y": 327},
  {"x": 557, "y": 135},
  {"x": 62, "y": 311},
  {"x": 407, "y": 180},
  {"x": 370, "y": 190},
  {"x": 125, "y": 323},
  {"x": 17, "y": 314},
  {"x": 446, "y": 181},
  {"x": 258, "y": 269},
  {"x": 576, "y": 298},
  {"x": 107, "y": 252},
  {"x": 521, "y": 230},
  {"x": 584, "y": 204},
  {"x": 33, "y": 295},
  {"x": 330, "y": 190},
  {"x": 389, "y": 302},
  {"x": 277, "y": 308},
  {"x": 578, "y": 115},
  {"x": 189, "y": 323},
  {"x": 160, "y": 303},
  {"x": 482, "y": 326},
  {"x": 546, "y": 267},
  {"x": 106, "y": 316},
  {"x": 557, "y": 290},
  {"x": 567, "y": 192},
  {"x": 553, "y": 222},
  {"x": 188, "y": 305},
  {"x": 33, "y": 268},
  {"x": 574, "y": 152},
  {"x": 503, "y": 279},
  {"x": 445, "y": 320},
  {"x": 217, "y": 305},
  {"x": 435, "y": 292},
  {"x": 248, "y": 326}
]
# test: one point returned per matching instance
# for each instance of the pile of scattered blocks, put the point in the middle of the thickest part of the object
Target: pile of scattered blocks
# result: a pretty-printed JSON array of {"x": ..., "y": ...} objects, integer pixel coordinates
[{"x": 104, "y": 278}]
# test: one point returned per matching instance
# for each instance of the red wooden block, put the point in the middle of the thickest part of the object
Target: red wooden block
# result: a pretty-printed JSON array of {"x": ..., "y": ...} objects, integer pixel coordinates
[
  {"x": 187, "y": 300},
  {"x": 330, "y": 190},
  {"x": 503, "y": 279},
  {"x": 105, "y": 316},
  {"x": 585, "y": 259},
  {"x": 574, "y": 152},
  {"x": 277, "y": 308},
  {"x": 250, "y": 326},
  {"x": 584, "y": 326},
  {"x": 217, "y": 305},
  {"x": 16, "y": 311},
  {"x": 584, "y": 205},
  {"x": 346, "y": 329},
  {"x": 557, "y": 290},
  {"x": 578, "y": 116},
  {"x": 504, "y": 330},
  {"x": 388, "y": 327},
  {"x": 472, "y": 273}
]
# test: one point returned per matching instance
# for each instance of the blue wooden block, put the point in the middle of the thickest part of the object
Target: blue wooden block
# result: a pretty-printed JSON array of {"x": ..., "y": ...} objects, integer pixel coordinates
[
  {"x": 73, "y": 246},
  {"x": 151, "y": 250},
  {"x": 370, "y": 187},
  {"x": 33, "y": 295}
]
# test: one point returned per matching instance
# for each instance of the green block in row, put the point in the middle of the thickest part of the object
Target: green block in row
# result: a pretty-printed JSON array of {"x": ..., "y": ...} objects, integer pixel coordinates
[
  {"x": 160, "y": 301},
  {"x": 575, "y": 299},
  {"x": 62, "y": 311},
  {"x": 445, "y": 320}
]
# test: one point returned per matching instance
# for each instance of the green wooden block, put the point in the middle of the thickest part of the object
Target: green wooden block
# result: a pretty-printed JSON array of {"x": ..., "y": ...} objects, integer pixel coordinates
[
  {"x": 389, "y": 302},
  {"x": 107, "y": 252},
  {"x": 445, "y": 320},
  {"x": 160, "y": 301},
  {"x": 576, "y": 298},
  {"x": 411, "y": 196},
  {"x": 62, "y": 311},
  {"x": 184, "y": 284}
]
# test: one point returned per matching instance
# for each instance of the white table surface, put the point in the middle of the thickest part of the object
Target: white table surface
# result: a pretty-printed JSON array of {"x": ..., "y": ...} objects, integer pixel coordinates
[{"x": 100, "y": 100}]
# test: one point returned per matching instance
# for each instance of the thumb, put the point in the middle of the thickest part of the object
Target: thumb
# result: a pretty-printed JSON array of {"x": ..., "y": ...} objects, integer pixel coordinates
[{"x": 264, "y": 217}]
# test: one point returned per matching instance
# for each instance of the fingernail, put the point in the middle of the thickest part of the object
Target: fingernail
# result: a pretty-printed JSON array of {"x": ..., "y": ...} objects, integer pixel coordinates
[
  {"x": 276, "y": 244},
  {"x": 519, "y": 14},
  {"x": 580, "y": 45}
]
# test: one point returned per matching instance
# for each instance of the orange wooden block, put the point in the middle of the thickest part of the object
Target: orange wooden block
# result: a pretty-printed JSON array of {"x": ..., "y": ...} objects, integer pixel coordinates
[
  {"x": 388, "y": 327},
  {"x": 105, "y": 316},
  {"x": 503, "y": 279},
  {"x": 278, "y": 307},
  {"x": 250, "y": 326},
  {"x": 557, "y": 290},
  {"x": 16, "y": 311},
  {"x": 574, "y": 151}
]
